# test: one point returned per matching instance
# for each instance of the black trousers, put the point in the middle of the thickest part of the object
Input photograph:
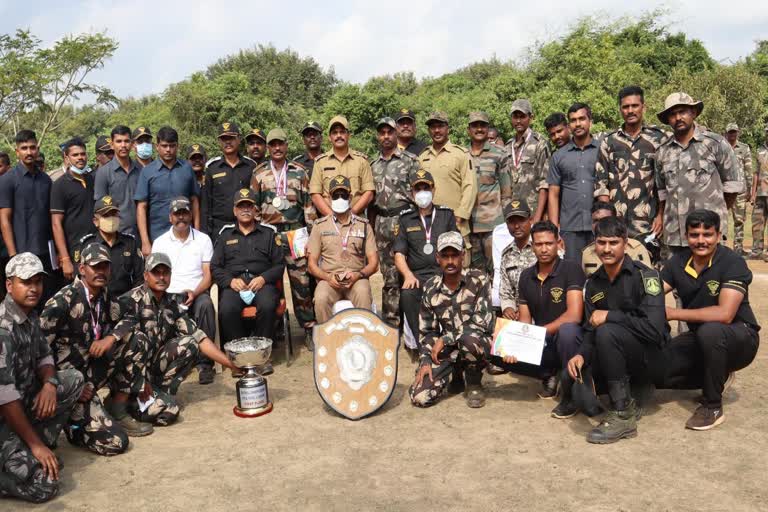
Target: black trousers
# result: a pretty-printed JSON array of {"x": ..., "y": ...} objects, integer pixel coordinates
[
  {"x": 708, "y": 354},
  {"x": 204, "y": 315},
  {"x": 410, "y": 303},
  {"x": 560, "y": 348},
  {"x": 231, "y": 306},
  {"x": 620, "y": 355}
]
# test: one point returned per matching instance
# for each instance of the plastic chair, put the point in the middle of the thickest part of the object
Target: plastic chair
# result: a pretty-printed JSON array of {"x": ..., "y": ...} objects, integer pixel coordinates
[{"x": 281, "y": 315}]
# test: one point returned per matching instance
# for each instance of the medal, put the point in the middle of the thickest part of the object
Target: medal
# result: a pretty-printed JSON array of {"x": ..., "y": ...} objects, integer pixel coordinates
[
  {"x": 281, "y": 186},
  {"x": 428, "y": 248},
  {"x": 277, "y": 202}
]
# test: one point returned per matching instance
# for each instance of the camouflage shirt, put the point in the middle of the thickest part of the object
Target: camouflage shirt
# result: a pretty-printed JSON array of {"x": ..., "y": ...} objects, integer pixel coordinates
[
  {"x": 67, "y": 321},
  {"x": 449, "y": 314},
  {"x": 513, "y": 262},
  {"x": 493, "y": 167},
  {"x": 22, "y": 351},
  {"x": 762, "y": 171},
  {"x": 625, "y": 173},
  {"x": 306, "y": 162},
  {"x": 300, "y": 208},
  {"x": 695, "y": 176},
  {"x": 529, "y": 159},
  {"x": 744, "y": 157},
  {"x": 392, "y": 179}
]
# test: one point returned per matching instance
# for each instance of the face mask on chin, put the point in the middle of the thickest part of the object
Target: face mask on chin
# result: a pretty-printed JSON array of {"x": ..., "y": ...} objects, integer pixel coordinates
[{"x": 79, "y": 172}]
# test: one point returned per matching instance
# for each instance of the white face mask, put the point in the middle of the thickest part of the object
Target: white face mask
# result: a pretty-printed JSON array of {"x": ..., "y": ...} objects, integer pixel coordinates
[
  {"x": 340, "y": 205},
  {"x": 423, "y": 198}
]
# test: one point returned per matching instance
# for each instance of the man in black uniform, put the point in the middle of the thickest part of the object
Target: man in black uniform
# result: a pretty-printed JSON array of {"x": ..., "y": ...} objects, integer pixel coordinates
[
  {"x": 197, "y": 158},
  {"x": 124, "y": 250},
  {"x": 712, "y": 282},
  {"x": 246, "y": 265},
  {"x": 312, "y": 136},
  {"x": 256, "y": 146},
  {"x": 625, "y": 330},
  {"x": 406, "y": 132},
  {"x": 224, "y": 176},
  {"x": 414, "y": 257}
]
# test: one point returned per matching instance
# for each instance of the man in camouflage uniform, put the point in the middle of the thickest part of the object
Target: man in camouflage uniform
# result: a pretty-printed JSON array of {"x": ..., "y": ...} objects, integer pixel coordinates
[
  {"x": 392, "y": 171},
  {"x": 760, "y": 201},
  {"x": 493, "y": 168},
  {"x": 172, "y": 338},
  {"x": 281, "y": 189},
  {"x": 739, "y": 208},
  {"x": 516, "y": 257},
  {"x": 530, "y": 154},
  {"x": 312, "y": 136},
  {"x": 695, "y": 168},
  {"x": 624, "y": 173},
  {"x": 35, "y": 399},
  {"x": 77, "y": 323},
  {"x": 456, "y": 325}
]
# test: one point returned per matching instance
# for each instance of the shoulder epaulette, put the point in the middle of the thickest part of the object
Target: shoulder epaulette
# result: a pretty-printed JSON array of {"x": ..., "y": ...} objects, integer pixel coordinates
[
  {"x": 270, "y": 226},
  {"x": 250, "y": 160},
  {"x": 361, "y": 219},
  {"x": 129, "y": 235},
  {"x": 226, "y": 226},
  {"x": 211, "y": 160},
  {"x": 407, "y": 211},
  {"x": 712, "y": 135},
  {"x": 440, "y": 207},
  {"x": 322, "y": 155},
  {"x": 425, "y": 150},
  {"x": 359, "y": 153},
  {"x": 465, "y": 150},
  {"x": 87, "y": 236},
  {"x": 297, "y": 164}
]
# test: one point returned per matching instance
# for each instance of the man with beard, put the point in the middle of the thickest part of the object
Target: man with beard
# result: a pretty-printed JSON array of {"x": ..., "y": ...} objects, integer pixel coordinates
[
  {"x": 557, "y": 128},
  {"x": 118, "y": 178},
  {"x": 312, "y": 137},
  {"x": 406, "y": 133},
  {"x": 197, "y": 157},
  {"x": 529, "y": 156},
  {"x": 256, "y": 146},
  {"x": 590, "y": 261}
]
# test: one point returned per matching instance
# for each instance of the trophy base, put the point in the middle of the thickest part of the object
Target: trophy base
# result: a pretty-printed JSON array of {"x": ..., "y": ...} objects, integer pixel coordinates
[{"x": 252, "y": 413}]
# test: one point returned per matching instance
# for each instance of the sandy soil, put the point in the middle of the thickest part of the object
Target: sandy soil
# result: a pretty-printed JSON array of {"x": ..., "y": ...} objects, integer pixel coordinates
[{"x": 508, "y": 455}]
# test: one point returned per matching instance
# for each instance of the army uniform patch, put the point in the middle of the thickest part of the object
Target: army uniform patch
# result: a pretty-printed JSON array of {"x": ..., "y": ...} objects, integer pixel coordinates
[
  {"x": 652, "y": 285},
  {"x": 713, "y": 287},
  {"x": 596, "y": 297},
  {"x": 557, "y": 295}
]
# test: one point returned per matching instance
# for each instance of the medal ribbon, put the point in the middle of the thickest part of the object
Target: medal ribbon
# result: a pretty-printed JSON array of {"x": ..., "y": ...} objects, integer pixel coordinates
[
  {"x": 428, "y": 232},
  {"x": 345, "y": 239},
  {"x": 517, "y": 154},
  {"x": 281, "y": 179}
]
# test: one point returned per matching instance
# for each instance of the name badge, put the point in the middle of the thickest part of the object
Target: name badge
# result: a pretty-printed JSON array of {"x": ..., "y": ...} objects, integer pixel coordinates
[
  {"x": 219, "y": 175},
  {"x": 413, "y": 228},
  {"x": 232, "y": 242}
]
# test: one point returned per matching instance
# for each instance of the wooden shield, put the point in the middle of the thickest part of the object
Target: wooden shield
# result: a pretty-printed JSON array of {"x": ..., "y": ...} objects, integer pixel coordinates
[{"x": 355, "y": 362}]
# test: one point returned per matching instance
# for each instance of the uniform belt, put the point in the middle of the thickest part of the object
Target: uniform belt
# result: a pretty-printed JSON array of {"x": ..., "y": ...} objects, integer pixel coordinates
[
  {"x": 391, "y": 212},
  {"x": 288, "y": 226}
]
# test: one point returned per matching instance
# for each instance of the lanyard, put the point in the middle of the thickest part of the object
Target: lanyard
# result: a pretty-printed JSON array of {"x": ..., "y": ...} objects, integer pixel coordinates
[
  {"x": 94, "y": 319},
  {"x": 345, "y": 239},
  {"x": 517, "y": 154},
  {"x": 281, "y": 179},
  {"x": 428, "y": 232}
]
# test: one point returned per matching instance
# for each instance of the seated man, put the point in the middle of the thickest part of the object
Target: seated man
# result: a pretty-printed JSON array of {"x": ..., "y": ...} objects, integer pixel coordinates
[
  {"x": 550, "y": 295},
  {"x": 516, "y": 257},
  {"x": 341, "y": 254},
  {"x": 77, "y": 323},
  {"x": 247, "y": 264},
  {"x": 35, "y": 399},
  {"x": 625, "y": 330},
  {"x": 172, "y": 337},
  {"x": 456, "y": 325},
  {"x": 712, "y": 282},
  {"x": 635, "y": 249},
  {"x": 415, "y": 237},
  {"x": 190, "y": 251}
]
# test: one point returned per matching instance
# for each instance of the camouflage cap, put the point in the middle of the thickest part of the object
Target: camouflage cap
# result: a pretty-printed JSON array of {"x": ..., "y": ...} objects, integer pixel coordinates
[
  {"x": 156, "y": 259},
  {"x": 338, "y": 120},
  {"x": 437, "y": 117},
  {"x": 479, "y": 117},
  {"x": 94, "y": 253},
  {"x": 450, "y": 239},
  {"x": 422, "y": 176},
  {"x": 104, "y": 205},
  {"x": 244, "y": 195},
  {"x": 311, "y": 125},
  {"x": 103, "y": 143},
  {"x": 386, "y": 121},
  {"x": 676, "y": 99},
  {"x": 517, "y": 208},
  {"x": 277, "y": 134},
  {"x": 339, "y": 182},
  {"x": 256, "y": 133},
  {"x": 196, "y": 149},
  {"x": 228, "y": 129},
  {"x": 732, "y": 127},
  {"x": 141, "y": 131},
  {"x": 24, "y": 265},
  {"x": 180, "y": 203},
  {"x": 405, "y": 113},
  {"x": 521, "y": 105}
]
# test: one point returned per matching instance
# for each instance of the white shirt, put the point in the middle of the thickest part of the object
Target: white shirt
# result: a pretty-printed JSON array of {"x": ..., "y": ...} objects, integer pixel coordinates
[
  {"x": 500, "y": 239},
  {"x": 187, "y": 258}
]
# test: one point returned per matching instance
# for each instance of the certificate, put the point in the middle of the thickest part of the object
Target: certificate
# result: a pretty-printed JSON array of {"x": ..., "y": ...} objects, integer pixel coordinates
[
  {"x": 524, "y": 341},
  {"x": 297, "y": 241}
]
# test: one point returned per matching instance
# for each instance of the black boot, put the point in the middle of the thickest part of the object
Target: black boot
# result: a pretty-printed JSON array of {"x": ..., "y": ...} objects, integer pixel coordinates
[
  {"x": 643, "y": 394},
  {"x": 586, "y": 396},
  {"x": 457, "y": 385},
  {"x": 475, "y": 395},
  {"x": 567, "y": 407},
  {"x": 621, "y": 421}
]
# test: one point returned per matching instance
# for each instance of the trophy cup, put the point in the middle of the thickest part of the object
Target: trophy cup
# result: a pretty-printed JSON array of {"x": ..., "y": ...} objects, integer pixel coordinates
[{"x": 251, "y": 354}]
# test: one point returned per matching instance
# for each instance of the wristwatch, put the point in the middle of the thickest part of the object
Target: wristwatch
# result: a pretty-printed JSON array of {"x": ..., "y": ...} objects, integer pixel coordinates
[{"x": 53, "y": 380}]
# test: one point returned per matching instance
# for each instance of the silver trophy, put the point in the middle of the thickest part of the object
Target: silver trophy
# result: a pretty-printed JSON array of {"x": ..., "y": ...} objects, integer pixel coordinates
[{"x": 251, "y": 354}]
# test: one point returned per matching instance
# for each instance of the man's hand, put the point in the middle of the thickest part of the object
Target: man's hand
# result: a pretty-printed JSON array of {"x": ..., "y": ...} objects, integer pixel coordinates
[
  {"x": 100, "y": 347},
  {"x": 146, "y": 248},
  {"x": 146, "y": 392},
  {"x": 510, "y": 314},
  {"x": 574, "y": 366},
  {"x": 237, "y": 284},
  {"x": 190, "y": 298},
  {"x": 671, "y": 313},
  {"x": 47, "y": 460},
  {"x": 509, "y": 359},
  {"x": 45, "y": 401},
  {"x": 335, "y": 284},
  {"x": 658, "y": 224},
  {"x": 352, "y": 278},
  {"x": 460, "y": 221},
  {"x": 67, "y": 268},
  {"x": 87, "y": 393},
  {"x": 410, "y": 282},
  {"x": 436, "y": 349},
  {"x": 256, "y": 283},
  {"x": 425, "y": 370},
  {"x": 598, "y": 317}
]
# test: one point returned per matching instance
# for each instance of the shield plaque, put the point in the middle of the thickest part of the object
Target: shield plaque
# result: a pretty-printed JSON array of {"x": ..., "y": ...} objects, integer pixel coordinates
[{"x": 355, "y": 362}]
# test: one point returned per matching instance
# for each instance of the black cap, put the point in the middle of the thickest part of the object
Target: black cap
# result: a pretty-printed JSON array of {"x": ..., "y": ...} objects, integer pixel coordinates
[
  {"x": 229, "y": 129},
  {"x": 258, "y": 133},
  {"x": 339, "y": 182},
  {"x": 141, "y": 131},
  {"x": 422, "y": 176},
  {"x": 196, "y": 149},
  {"x": 405, "y": 113},
  {"x": 180, "y": 203},
  {"x": 311, "y": 125},
  {"x": 244, "y": 195},
  {"x": 104, "y": 205},
  {"x": 103, "y": 143},
  {"x": 517, "y": 208}
]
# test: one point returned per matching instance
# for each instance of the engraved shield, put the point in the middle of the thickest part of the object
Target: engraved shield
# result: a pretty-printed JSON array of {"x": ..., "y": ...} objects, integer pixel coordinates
[{"x": 355, "y": 362}]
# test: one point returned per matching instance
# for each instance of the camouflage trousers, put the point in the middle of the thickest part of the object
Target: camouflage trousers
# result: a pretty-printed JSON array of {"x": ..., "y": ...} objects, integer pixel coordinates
[
  {"x": 738, "y": 211},
  {"x": 759, "y": 214},
  {"x": 301, "y": 287},
  {"x": 390, "y": 292},
  {"x": 90, "y": 426},
  {"x": 482, "y": 251},
  {"x": 470, "y": 353},
  {"x": 21, "y": 475}
]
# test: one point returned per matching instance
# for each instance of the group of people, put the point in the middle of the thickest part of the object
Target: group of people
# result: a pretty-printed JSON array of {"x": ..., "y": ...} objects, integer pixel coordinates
[{"x": 108, "y": 271}]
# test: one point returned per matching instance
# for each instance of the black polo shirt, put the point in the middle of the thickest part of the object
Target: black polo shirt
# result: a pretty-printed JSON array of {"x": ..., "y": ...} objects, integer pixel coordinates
[
  {"x": 410, "y": 238},
  {"x": 72, "y": 196},
  {"x": 726, "y": 269},
  {"x": 221, "y": 183},
  {"x": 28, "y": 194},
  {"x": 546, "y": 299}
]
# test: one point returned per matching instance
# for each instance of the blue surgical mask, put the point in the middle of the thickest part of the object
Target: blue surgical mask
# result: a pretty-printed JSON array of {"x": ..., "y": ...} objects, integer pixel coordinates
[
  {"x": 247, "y": 296},
  {"x": 144, "y": 150},
  {"x": 84, "y": 170}
]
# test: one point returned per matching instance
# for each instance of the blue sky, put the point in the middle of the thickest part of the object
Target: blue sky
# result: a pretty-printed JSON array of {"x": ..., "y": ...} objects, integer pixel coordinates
[{"x": 164, "y": 41}]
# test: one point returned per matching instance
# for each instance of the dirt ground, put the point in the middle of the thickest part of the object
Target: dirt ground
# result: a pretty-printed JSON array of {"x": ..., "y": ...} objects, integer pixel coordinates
[{"x": 508, "y": 455}]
